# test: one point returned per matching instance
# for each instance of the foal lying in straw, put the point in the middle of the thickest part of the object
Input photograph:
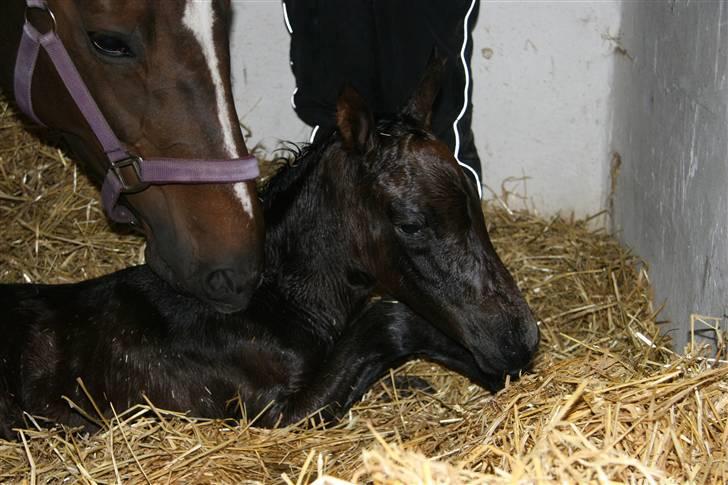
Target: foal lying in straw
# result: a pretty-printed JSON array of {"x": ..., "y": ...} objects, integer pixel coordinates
[{"x": 375, "y": 208}]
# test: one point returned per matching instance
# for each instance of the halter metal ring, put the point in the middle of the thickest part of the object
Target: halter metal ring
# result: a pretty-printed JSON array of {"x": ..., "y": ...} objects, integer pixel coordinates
[
  {"x": 133, "y": 162},
  {"x": 45, "y": 9}
]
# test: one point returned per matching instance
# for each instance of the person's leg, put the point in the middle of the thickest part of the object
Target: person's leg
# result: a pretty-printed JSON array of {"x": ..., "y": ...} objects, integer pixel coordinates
[
  {"x": 381, "y": 47},
  {"x": 331, "y": 44},
  {"x": 453, "y": 113},
  {"x": 407, "y": 31}
]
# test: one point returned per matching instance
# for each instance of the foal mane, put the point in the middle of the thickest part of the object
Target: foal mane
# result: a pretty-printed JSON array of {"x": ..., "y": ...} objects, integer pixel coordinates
[
  {"x": 306, "y": 155},
  {"x": 301, "y": 159}
]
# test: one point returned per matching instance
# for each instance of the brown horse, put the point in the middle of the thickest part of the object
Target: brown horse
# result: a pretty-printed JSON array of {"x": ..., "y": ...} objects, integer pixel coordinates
[{"x": 159, "y": 73}]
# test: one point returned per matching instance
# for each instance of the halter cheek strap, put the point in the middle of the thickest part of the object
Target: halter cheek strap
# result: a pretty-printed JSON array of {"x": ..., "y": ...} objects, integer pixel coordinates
[{"x": 153, "y": 171}]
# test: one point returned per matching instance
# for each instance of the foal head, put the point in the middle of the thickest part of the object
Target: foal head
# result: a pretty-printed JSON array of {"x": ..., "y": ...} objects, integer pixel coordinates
[
  {"x": 160, "y": 73},
  {"x": 417, "y": 227}
]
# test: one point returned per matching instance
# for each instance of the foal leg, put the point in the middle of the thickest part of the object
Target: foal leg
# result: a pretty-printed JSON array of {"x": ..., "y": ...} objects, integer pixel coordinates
[
  {"x": 406, "y": 385},
  {"x": 10, "y": 416},
  {"x": 14, "y": 331},
  {"x": 383, "y": 337}
]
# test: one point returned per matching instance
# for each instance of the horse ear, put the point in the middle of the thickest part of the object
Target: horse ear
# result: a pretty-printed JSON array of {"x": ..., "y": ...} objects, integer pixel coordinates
[
  {"x": 354, "y": 120},
  {"x": 419, "y": 107}
]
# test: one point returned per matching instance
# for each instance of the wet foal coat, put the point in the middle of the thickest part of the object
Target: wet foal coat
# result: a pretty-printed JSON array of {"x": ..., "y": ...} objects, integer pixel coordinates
[{"x": 374, "y": 209}]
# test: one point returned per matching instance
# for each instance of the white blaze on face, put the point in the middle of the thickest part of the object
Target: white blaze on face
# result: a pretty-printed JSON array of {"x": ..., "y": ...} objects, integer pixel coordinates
[
  {"x": 241, "y": 192},
  {"x": 199, "y": 18}
]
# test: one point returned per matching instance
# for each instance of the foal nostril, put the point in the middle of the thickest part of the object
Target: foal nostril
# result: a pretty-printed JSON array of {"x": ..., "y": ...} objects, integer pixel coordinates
[
  {"x": 518, "y": 346},
  {"x": 531, "y": 336}
]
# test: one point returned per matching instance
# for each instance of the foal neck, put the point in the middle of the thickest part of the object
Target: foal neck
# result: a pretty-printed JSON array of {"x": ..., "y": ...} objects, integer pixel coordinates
[{"x": 309, "y": 249}]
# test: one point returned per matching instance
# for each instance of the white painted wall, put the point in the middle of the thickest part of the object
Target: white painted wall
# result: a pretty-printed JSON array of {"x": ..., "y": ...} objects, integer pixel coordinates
[
  {"x": 671, "y": 130},
  {"x": 262, "y": 78},
  {"x": 542, "y": 101},
  {"x": 542, "y": 98}
]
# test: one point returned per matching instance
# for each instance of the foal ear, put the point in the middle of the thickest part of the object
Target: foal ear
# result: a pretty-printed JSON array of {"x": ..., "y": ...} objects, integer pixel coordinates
[
  {"x": 354, "y": 120},
  {"x": 419, "y": 107}
]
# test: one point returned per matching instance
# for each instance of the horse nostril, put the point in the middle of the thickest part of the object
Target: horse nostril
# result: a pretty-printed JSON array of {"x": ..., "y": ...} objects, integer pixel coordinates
[
  {"x": 228, "y": 290},
  {"x": 532, "y": 335},
  {"x": 221, "y": 283}
]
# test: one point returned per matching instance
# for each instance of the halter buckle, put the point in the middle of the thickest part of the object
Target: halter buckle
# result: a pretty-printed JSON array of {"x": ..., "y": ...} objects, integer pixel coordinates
[{"x": 134, "y": 162}]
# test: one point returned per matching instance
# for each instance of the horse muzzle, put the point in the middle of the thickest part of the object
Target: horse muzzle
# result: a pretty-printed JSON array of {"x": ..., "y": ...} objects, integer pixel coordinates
[
  {"x": 228, "y": 290},
  {"x": 226, "y": 285},
  {"x": 509, "y": 353}
]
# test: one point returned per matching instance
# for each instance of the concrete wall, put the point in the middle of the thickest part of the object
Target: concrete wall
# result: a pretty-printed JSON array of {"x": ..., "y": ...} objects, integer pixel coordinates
[
  {"x": 671, "y": 131},
  {"x": 542, "y": 84}
]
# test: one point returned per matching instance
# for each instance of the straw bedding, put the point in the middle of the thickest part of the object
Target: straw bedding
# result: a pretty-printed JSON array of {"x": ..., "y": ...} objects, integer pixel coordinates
[{"x": 606, "y": 401}]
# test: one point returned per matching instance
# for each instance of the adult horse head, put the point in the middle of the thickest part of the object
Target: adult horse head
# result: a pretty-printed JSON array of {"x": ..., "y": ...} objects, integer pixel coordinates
[{"x": 159, "y": 73}]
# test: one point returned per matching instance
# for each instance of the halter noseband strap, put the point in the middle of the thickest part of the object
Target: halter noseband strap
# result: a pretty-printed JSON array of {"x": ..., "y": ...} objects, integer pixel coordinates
[{"x": 148, "y": 171}]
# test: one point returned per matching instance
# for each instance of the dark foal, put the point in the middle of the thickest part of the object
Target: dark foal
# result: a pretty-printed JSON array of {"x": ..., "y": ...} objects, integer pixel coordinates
[
  {"x": 159, "y": 72},
  {"x": 373, "y": 209}
]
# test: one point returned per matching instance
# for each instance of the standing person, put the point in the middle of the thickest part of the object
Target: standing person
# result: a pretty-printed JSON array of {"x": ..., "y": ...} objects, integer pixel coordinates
[{"x": 381, "y": 47}]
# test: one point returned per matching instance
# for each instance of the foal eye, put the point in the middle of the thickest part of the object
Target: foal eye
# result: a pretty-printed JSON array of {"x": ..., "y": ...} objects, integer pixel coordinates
[
  {"x": 410, "y": 229},
  {"x": 109, "y": 45}
]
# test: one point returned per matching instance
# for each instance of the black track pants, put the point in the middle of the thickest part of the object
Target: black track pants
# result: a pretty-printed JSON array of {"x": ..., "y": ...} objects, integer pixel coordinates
[{"x": 381, "y": 47}]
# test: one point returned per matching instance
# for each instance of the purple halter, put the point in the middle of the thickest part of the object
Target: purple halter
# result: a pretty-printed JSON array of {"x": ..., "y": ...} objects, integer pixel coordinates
[{"x": 148, "y": 171}]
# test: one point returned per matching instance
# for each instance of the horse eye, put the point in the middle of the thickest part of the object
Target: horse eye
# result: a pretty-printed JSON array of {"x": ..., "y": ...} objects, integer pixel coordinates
[
  {"x": 109, "y": 45},
  {"x": 410, "y": 229}
]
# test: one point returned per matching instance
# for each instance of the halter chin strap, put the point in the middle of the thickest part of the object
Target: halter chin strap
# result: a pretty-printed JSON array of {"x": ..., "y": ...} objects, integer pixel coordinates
[{"x": 156, "y": 171}]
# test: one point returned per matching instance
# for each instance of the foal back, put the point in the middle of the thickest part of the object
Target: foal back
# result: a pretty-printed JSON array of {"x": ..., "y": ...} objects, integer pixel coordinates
[
  {"x": 50, "y": 332},
  {"x": 127, "y": 335}
]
